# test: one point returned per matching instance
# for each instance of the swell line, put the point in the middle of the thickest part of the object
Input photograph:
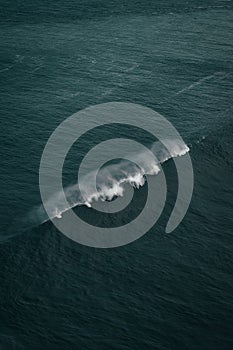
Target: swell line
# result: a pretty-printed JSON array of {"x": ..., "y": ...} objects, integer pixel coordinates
[{"x": 221, "y": 75}]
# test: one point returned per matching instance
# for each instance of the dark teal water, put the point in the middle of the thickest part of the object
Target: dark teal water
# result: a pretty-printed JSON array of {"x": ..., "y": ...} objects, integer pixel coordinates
[{"x": 164, "y": 291}]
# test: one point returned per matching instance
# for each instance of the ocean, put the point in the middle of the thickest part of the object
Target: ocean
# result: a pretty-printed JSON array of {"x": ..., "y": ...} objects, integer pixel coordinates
[{"x": 164, "y": 290}]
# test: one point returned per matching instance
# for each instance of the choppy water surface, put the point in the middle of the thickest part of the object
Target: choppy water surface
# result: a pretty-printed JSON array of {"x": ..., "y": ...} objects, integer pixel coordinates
[{"x": 162, "y": 291}]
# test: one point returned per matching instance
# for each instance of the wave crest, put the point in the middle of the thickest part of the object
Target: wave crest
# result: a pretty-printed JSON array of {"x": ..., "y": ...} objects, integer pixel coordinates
[{"x": 112, "y": 178}]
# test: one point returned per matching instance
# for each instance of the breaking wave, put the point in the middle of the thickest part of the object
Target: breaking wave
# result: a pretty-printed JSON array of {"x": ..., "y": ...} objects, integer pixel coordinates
[{"x": 111, "y": 180}]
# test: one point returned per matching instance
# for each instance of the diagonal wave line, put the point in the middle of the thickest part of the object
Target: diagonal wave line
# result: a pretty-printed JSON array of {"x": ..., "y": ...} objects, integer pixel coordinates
[{"x": 200, "y": 81}]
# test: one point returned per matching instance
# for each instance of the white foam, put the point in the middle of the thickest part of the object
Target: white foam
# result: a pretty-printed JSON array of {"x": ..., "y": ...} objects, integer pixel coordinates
[{"x": 112, "y": 178}]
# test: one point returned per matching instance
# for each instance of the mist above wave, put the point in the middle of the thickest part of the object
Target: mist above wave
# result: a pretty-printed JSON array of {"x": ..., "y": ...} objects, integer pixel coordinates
[{"x": 112, "y": 178}]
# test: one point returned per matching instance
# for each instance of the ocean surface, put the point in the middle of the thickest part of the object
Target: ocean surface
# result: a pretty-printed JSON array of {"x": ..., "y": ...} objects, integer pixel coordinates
[{"x": 163, "y": 291}]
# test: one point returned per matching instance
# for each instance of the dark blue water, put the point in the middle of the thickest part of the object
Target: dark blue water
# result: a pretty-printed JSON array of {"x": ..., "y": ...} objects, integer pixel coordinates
[{"x": 163, "y": 291}]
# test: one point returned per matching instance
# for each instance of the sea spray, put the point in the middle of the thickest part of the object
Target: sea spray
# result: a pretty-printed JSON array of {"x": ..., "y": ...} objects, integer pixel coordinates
[{"x": 111, "y": 180}]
